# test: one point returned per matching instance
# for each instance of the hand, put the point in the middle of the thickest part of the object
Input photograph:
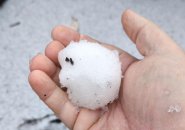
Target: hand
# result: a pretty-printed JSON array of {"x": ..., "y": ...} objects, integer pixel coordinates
[{"x": 152, "y": 94}]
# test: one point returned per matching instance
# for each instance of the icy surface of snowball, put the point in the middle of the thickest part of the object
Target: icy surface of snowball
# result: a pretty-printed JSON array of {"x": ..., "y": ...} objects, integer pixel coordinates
[{"x": 91, "y": 73}]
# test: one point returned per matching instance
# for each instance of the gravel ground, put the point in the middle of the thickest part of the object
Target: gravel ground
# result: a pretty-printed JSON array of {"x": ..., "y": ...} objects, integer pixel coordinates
[{"x": 25, "y": 28}]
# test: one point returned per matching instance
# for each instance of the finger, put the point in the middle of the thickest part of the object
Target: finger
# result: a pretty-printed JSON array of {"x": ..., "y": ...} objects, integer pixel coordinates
[
  {"x": 43, "y": 63},
  {"x": 90, "y": 39},
  {"x": 125, "y": 58},
  {"x": 53, "y": 96},
  {"x": 52, "y": 51},
  {"x": 86, "y": 118},
  {"x": 65, "y": 35},
  {"x": 148, "y": 37}
]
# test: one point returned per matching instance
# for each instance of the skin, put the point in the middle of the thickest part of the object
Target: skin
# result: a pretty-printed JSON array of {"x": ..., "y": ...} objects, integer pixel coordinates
[{"x": 152, "y": 94}]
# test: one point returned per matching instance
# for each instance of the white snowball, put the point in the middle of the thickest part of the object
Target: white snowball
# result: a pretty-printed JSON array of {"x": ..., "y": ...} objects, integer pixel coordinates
[{"x": 91, "y": 73}]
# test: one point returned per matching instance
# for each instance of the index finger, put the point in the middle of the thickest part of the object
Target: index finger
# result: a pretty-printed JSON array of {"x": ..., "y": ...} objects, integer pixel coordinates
[{"x": 65, "y": 34}]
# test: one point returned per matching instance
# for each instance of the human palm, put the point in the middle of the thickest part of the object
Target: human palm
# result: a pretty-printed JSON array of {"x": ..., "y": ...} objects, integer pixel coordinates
[{"x": 143, "y": 102}]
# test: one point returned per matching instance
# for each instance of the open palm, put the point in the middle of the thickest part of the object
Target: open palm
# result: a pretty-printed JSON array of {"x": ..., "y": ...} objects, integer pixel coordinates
[{"x": 132, "y": 110}]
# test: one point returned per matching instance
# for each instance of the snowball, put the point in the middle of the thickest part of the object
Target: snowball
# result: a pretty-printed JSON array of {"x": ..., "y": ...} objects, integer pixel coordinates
[{"x": 91, "y": 73}]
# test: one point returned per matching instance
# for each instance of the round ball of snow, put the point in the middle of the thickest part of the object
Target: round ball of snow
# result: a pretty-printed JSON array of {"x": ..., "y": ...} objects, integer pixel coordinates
[{"x": 91, "y": 73}]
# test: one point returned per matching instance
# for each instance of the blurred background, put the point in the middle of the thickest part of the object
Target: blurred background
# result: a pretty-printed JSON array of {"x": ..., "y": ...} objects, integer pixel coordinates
[{"x": 25, "y": 27}]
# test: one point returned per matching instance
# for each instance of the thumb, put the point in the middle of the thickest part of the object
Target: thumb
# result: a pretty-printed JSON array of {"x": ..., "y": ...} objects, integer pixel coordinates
[{"x": 148, "y": 37}]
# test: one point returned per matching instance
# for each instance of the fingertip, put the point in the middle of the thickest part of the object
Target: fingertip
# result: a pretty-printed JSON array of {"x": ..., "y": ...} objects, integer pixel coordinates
[
  {"x": 52, "y": 51},
  {"x": 64, "y": 34},
  {"x": 32, "y": 61},
  {"x": 125, "y": 14},
  {"x": 33, "y": 78},
  {"x": 41, "y": 62},
  {"x": 57, "y": 29},
  {"x": 129, "y": 22}
]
